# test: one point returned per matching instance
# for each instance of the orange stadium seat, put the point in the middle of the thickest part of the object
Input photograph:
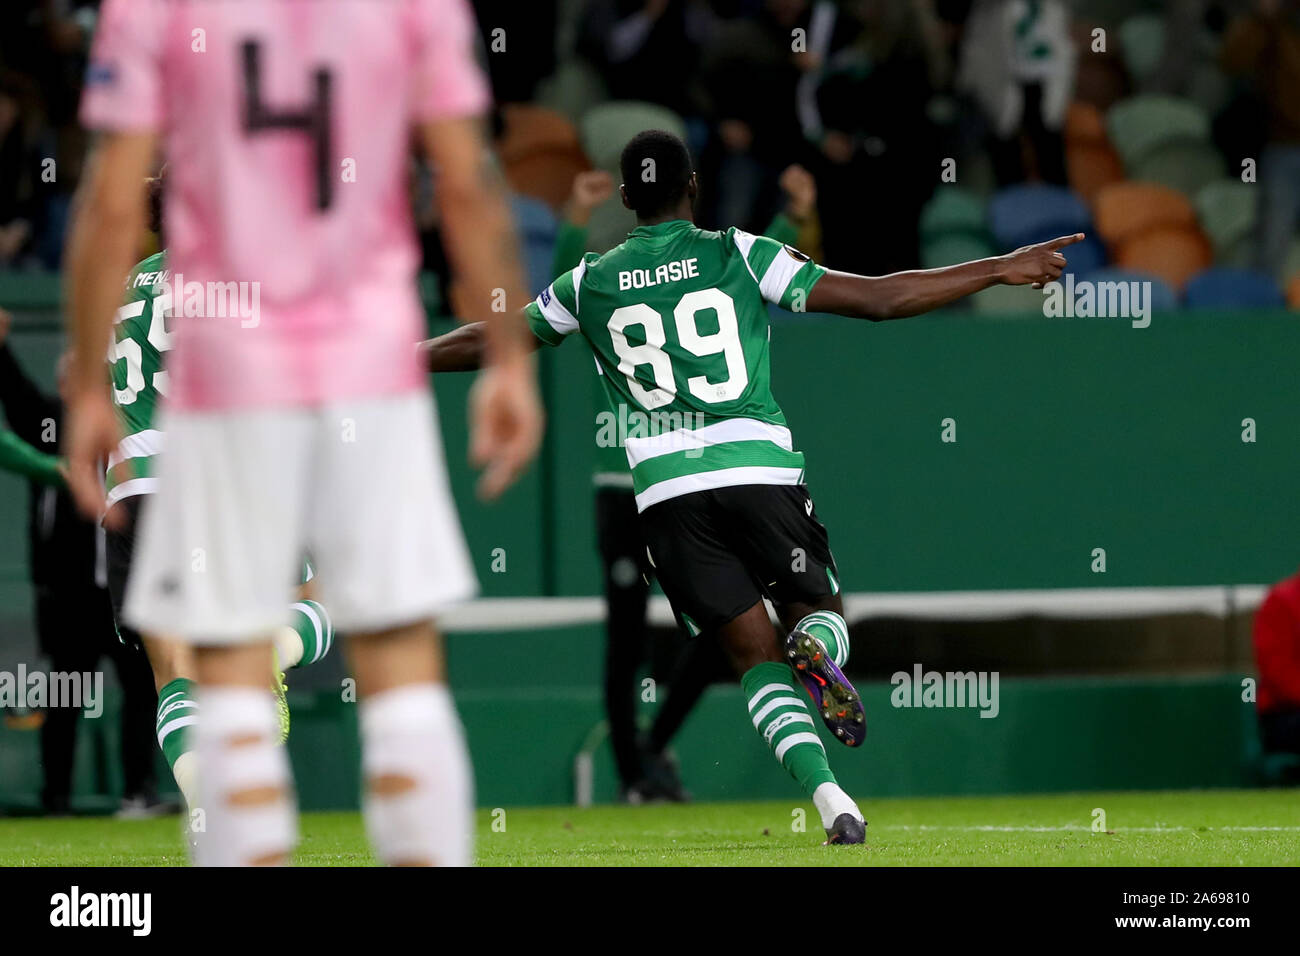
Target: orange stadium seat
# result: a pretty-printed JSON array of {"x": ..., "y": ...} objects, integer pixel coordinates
[
  {"x": 1091, "y": 166},
  {"x": 1174, "y": 253},
  {"x": 1084, "y": 124},
  {"x": 1293, "y": 293},
  {"x": 541, "y": 152},
  {"x": 1124, "y": 210}
]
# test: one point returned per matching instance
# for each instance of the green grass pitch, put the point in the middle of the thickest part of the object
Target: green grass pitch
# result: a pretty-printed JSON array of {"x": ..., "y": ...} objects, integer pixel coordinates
[{"x": 1228, "y": 827}]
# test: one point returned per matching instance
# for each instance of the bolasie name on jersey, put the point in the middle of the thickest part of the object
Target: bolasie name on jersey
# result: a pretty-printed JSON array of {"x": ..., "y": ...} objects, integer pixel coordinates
[
  {"x": 677, "y": 320},
  {"x": 668, "y": 272}
]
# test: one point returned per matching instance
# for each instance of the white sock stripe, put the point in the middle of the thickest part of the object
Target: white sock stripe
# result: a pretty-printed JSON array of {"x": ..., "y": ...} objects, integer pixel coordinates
[
  {"x": 782, "y": 725},
  {"x": 172, "y": 696},
  {"x": 771, "y": 705},
  {"x": 837, "y": 624},
  {"x": 769, "y": 689},
  {"x": 309, "y": 612},
  {"x": 164, "y": 713},
  {"x": 174, "y": 725},
  {"x": 794, "y": 740}
]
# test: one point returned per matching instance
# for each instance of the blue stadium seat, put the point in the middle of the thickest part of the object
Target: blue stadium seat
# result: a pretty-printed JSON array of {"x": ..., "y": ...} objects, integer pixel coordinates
[
  {"x": 537, "y": 228},
  {"x": 1163, "y": 297},
  {"x": 1232, "y": 289},
  {"x": 1084, "y": 257},
  {"x": 1019, "y": 215}
]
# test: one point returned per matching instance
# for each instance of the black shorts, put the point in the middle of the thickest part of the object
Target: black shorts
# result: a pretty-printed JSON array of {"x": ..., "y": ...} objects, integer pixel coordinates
[
  {"x": 119, "y": 545},
  {"x": 717, "y": 552}
]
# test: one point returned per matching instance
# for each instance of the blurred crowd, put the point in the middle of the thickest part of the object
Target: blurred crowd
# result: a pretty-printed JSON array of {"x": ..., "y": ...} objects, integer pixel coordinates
[{"x": 887, "y": 104}]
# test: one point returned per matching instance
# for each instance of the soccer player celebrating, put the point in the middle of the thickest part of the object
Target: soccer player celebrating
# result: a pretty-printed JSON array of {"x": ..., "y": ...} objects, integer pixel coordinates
[
  {"x": 677, "y": 319},
  {"x": 299, "y": 421}
]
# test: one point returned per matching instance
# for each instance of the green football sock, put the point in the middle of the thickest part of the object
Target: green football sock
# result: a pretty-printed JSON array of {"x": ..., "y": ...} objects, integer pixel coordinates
[
  {"x": 177, "y": 712},
  {"x": 781, "y": 717},
  {"x": 830, "y": 629},
  {"x": 312, "y": 624}
]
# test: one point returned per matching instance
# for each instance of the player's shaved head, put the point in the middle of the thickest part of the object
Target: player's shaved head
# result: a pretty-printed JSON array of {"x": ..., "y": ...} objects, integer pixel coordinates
[{"x": 657, "y": 174}]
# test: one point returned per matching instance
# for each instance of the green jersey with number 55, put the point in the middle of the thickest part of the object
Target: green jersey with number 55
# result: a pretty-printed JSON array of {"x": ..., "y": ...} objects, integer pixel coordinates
[
  {"x": 677, "y": 319},
  {"x": 135, "y": 359}
]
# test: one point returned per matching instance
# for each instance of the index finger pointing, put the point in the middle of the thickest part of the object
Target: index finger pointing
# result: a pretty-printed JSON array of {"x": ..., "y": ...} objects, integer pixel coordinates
[{"x": 1064, "y": 241}]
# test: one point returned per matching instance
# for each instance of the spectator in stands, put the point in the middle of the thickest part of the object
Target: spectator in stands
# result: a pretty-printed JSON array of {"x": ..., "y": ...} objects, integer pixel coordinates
[
  {"x": 646, "y": 49},
  {"x": 750, "y": 74},
  {"x": 1264, "y": 46},
  {"x": 74, "y": 618},
  {"x": 867, "y": 113},
  {"x": 1018, "y": 62},
  {"x": 19, "y": 167},
  {"x": 1277, "y": 659}
]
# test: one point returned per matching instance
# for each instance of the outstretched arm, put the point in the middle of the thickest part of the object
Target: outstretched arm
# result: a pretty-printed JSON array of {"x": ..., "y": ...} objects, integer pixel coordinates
[
  {"x": 461, "y": 350},
  {"x": 903, "y": 294}
]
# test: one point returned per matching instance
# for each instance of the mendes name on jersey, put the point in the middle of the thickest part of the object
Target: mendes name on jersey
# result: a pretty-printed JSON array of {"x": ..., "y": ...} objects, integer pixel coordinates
[
  {"x": 135, "y": 359},
  {"x": 677, "y": 319}
]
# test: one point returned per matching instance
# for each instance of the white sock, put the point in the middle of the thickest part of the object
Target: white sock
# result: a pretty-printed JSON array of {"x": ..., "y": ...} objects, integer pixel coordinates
[
  {"x": 831, "y": 801},
  {"x": 185, "y": 770},
  {"x": 237, "y": 753},
  {"x": 412, "y": 737},
  {"x": 288, "y": 647}
]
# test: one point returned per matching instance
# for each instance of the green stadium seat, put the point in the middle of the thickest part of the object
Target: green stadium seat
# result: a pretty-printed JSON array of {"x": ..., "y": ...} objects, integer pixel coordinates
[
  {"x": 1142, "y": 44},
  {"x": 1140, "y": 124},
  {"x": 1009, "y": 300},
  {"x": 953, "y": 248},
  {"x": 607, "y": 128},
  {"x": 953, "y": 209},
  {"x": 1184, "y": 165},
  {"x": 1226, "y": 209},
  {"x": 573, "y": 89}
]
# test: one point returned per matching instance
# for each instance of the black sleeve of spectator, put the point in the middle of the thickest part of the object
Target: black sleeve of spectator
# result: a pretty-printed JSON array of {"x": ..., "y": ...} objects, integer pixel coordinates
[{"x": 26, "y": 408}]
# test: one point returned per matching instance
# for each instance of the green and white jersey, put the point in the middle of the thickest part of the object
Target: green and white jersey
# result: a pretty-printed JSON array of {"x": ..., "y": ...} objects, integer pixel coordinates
[
  {"x": 677, "y": 319},
  {"x": 140, "y": 340}
]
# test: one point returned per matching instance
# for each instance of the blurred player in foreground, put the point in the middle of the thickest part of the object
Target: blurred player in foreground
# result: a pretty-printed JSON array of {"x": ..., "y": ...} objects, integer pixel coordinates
[
  {"x": 140, "y": 341},
  {"x": 297, "y": 417},
  {"x": 677, "y": 319}
]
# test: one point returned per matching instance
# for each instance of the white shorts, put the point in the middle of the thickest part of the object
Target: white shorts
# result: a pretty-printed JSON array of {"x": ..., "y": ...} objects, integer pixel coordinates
[{"x": 359, "y": 485}]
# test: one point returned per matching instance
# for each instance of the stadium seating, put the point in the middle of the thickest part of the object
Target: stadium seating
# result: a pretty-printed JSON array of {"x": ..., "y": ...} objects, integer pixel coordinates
[
  {"x": 1124, "y": 210},
  {"x": 953, "y": 209},
  {"x": 1232, "y": 289},
  {"x": 1174, "y": 253},
  {"x": 1163, "y": 297},
  {"x": 541, "y": 153},
  {"x": 1140, "y": 124},
  {"x": 1180, "y": 164},
  {"x": 1142, "y": 44},
  {"x": 537, "y": 228},
  {"x": 1090, "y": 160},
  {"x": 1019, "y": 215},
  {"x": 607, "y": 128},
  {"x": 1227, "y": 210},
  {"x": 1008, "y": 300},
  {"x": 954, "y": 248}
]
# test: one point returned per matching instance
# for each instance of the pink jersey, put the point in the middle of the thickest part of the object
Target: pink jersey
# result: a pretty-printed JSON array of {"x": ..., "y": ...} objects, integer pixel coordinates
[{"x": 287, "y": 128}]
